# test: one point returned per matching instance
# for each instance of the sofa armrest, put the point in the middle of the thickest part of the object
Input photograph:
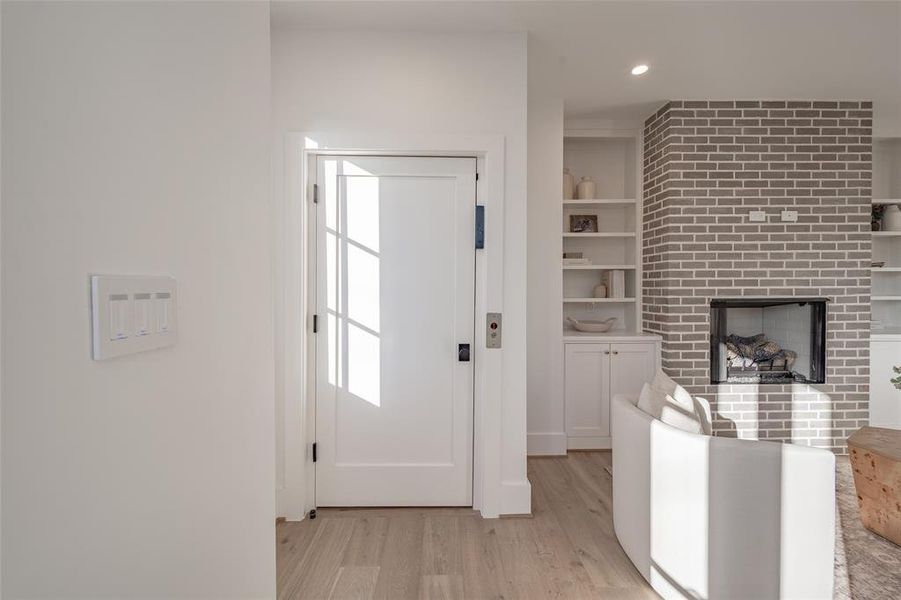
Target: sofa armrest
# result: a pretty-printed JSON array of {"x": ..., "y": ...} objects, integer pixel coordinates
[{"x": 722, "y": 517}]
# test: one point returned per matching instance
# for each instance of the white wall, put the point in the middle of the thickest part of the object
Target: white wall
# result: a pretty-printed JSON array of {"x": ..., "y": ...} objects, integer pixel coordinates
[
  {"x": 136, "y": 140},
  {"x": 545, "y": 330},
  {"x": 415, "y": 84}
]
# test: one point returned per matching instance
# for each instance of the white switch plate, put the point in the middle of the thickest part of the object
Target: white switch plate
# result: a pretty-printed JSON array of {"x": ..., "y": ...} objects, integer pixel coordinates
[
  {"x": 789, "y": 216},
  {"x": 757, "y": 216},
  {"x": 132, "y": 314}
]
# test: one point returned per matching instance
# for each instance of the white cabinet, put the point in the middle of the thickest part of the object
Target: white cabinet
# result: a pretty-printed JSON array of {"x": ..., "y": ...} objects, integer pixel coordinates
[
  {"x": 587, "y": 390},
  {"x": 885, "y": 398},
  {"x": 594, "y": 373}
]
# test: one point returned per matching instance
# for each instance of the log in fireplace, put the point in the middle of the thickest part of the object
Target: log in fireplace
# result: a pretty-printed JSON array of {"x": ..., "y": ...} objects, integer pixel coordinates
[{"x": 768, "y": 340}]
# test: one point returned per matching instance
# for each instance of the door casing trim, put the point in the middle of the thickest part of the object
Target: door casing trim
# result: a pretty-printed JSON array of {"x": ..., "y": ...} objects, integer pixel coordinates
[{"x": 294, "y": 218}]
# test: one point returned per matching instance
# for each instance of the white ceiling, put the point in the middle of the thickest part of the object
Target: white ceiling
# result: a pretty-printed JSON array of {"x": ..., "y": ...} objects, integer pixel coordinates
[{"x": 775, "y": 50}]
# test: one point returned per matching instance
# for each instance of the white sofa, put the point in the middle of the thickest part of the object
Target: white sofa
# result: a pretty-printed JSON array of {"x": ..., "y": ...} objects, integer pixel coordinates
[{"x": 721, "y": 518}]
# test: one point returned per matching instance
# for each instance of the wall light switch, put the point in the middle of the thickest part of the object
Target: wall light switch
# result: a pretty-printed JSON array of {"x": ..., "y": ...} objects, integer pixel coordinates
[
  {"x": 118, "y": 316},
  {"x": 131, "y": 314},
  {"x": 789, "y": 216},
  {"x": 143, "y": 312},
  {"x": 757, "y": 216},
  {"x": 163, "y": 308}
]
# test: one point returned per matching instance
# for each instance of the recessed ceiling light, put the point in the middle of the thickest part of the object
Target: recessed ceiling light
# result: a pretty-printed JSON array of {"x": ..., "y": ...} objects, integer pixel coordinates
[{"x": 639, "y": 69}]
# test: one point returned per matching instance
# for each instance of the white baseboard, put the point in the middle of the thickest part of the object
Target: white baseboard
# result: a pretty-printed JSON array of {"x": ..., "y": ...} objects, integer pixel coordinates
[
  {"x": 592, "y": 442},
  {"x": 516, "y": 498},
  {"x": 546, "y": 444}
]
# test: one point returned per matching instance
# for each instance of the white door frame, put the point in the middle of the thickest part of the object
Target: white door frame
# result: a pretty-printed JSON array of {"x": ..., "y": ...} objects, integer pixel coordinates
[{"x": 294, "y": 217}]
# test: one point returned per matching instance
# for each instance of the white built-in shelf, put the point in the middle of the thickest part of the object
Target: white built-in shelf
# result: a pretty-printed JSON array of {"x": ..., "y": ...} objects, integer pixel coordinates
[
  {"x": 605, "y": 300},
  {"x": 886, "y": 200},
  {"x": 878, "y": 233},
  {"x": 886, "y": 269},
  {"x": 599, "y": 202},
  {"x": 607, "y": 234},
  {"x": 600, "y": 267},
  {"x": 891, "y": 334},
  {"x": 885, "y": 298},
  {"x": 613, "y": 160},
  {"x": 616, "y": 335}
]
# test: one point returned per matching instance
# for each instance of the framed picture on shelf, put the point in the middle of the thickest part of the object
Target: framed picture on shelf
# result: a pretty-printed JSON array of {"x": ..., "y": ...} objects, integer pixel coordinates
[{"x": 583, "y": 223}]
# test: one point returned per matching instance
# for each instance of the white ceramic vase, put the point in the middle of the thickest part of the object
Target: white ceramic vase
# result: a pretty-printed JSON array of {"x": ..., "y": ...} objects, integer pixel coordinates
[
  {"x": 569, "y": 185},
  {"x": 586, "y": 188},
  {"x": 891, "y": 218}
]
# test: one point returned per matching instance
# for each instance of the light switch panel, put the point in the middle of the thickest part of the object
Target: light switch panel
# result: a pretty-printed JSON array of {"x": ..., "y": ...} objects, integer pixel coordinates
[
  {"x": 493, "y": 330},
  {"x": 757, "y": 216},
  {"x": 131, "y": 314}
]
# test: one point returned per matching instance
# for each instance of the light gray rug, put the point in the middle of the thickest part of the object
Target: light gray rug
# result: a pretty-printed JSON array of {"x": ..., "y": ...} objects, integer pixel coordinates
[{"x": 866, "y": 565}]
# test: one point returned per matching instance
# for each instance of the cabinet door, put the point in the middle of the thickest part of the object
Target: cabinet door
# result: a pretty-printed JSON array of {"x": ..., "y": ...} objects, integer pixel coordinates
[
  {"x": 885, "y": 398},
  {"x": 631, "y": 366},
  {"x": 587, "y": 390}
]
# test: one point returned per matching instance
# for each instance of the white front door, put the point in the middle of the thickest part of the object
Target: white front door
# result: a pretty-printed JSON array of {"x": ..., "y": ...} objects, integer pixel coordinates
[{"x": 395, "y": 273}]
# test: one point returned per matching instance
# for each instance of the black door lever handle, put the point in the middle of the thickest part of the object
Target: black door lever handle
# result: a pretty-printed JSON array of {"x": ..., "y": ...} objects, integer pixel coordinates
[{"x": 463, "y": 352}]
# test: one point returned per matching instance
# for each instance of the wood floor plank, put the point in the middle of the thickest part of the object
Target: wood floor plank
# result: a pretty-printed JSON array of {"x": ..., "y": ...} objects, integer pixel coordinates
[
  {"x": 422, "y": 511},
  {"x": 441, "y": 587},
  {"x": 565, "y": 567},
  {"x": 523, "y": 567},
  {"x": 441, "y": 547},
  {"x": 483, "y": 571},
  {"x": 401, "y": 559},
  {"x": 354, "y": 583},
  {"x": 292, "y": 543},
  {"x": 314, "y": 575},
  {"x": 566, "y": 550},
  {"x": 364, "y": 549},
  {"x": 599, "y": 551},
  {"x": 594, "y": 486}
]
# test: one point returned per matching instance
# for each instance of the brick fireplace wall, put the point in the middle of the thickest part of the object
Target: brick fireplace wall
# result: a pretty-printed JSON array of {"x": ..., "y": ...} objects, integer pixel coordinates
[{"x": 706, "y": 164}]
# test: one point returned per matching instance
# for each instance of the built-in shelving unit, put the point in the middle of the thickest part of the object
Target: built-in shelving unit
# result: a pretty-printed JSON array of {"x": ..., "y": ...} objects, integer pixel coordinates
[
  {"x": 597, "y": 267},
  {"x": 601, "y": 234},
  {"x": 598, "y": 202},
  {"x": 593, "y": 300},
  {"x": 611, "y": 158},
  {"x": 886, "y": 280}
]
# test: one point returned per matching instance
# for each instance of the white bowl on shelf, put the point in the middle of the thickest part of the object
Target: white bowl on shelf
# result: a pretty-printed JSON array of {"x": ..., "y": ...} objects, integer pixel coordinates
[{"x": 592, "y": 326}]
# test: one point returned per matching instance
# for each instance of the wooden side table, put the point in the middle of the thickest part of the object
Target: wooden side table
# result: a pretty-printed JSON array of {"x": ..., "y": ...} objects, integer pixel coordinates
[{"x": 876, "y": 462}]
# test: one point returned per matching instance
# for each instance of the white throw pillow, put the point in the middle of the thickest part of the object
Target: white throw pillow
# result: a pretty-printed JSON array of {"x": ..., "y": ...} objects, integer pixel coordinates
[
  {"x": 651, "y": 401},
  {"x": 665, "y": 384},
  {"x": 664, "y": 407},
  {"x": 702, "y": 407}
]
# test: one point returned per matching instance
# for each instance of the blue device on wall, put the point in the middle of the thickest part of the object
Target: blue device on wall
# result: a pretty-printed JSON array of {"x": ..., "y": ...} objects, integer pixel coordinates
[{"x": 480, "y": 227}]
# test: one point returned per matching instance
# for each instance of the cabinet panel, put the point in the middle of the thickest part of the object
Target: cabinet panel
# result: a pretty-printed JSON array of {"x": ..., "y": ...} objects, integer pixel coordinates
[
  {"x": 631, "y": 366},
  {"x": 587, "y": 390},
  {"x": 885, "y": 398}
]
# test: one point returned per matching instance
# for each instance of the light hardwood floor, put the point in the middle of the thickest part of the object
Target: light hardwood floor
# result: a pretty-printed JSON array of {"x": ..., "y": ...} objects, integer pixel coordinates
[{"x": 567, "y": 549}]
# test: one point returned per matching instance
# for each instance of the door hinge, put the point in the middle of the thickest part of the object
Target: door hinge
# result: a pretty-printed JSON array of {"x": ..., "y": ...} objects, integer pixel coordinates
[
  {"x": 315, "y": 193},
  {"x": 315, "y": 323},
  {"x": 480, "y": 227},
  {"x": 314, "y": 451},
  {"x": 477, "y": 176}
]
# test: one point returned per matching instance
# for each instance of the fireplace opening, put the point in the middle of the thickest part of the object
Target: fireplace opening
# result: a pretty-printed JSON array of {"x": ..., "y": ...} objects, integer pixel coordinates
[{"x": 768, "y": 340}]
